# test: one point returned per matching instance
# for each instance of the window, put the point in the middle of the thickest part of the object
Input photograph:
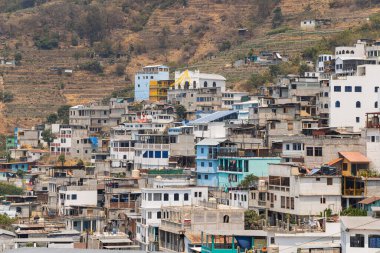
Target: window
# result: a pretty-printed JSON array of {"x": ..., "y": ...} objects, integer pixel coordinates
[
  {"x": 176, "y": 197},
  {"x": 74, "y": 197},
  {"x": 205, "y": 84},
  {"x": 345, "y": 166},
  {"x": 206, "y": 177},
  {"x": 282, "y": 202},
  {"x": 158, "y": 215},
  {"x": 358, "y": 89},
  {"x": 157, "y": 154},
  {"x": 357, "y": 120},
  {"x": 149, "y": 215},
  {"x": 68, "y": 196},
  {"x": 309, "y": 151},
  {"x": 202, "y": 150},
  {"x": 196, "y": 194},
  {"x": 209, "y": 164},
  {"x": 166, "y": 197},
  {"x": 318, "y": 151},
  {"x": 323, "y": 200},
  {"x": 157, "y": 197},
  {"x": 358, "y": 104},
  {"x": 165, "y": 154},
  {"x": 329, "y": 181},
  {"x": 337, "y": 104},
  {"x": 374, "y": 241},
  {"x": 287, "y": 147},
  {"x": 377, "y": 89},
  {"x": 357, "y": 241},
  {"x": 292, "y": 203},
  {"x": 376, "y": 104},
  {"x": 186, "y": 197},
  {"x": 199, "y": 176},
  {"x": 317, "y": 179},
  {"x": 200, "y": 194},
  {"x": 337, "y": 88},
  {"x": 149, "y": 196},
  {"x": 214, "y": 84},
  {"x": 226, "y": 219},
  {"x": 202, "y": 164},
  {"x": 348, "y": 88}
]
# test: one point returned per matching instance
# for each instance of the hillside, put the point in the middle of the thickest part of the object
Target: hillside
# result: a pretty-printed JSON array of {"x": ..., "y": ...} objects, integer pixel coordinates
[{"x": 55, "y": 35}]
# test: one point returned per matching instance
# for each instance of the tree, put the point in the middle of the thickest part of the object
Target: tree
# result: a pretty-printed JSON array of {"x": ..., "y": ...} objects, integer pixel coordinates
[
  {"x": 93, "y": 26},
  {"x": 6, "y": 222},
  {"x": 251, "y": 219},
  {"x": 6, "y": 96},
  {"x": 303, "y": 68},
  {"x": 9, "y": 189},
  {"x": 18, "y": 58},
  {"x": 63, "y": 113},
  {"x": 62, "y": 159},
  {"x": 181, "y": 112},
  {"x": 120, "y": 69},
  {"x": 47, "y": 136},
  {"x": 277, "y": 18},
  {"x": 92, "y": 66},
  {"x": 249, "y": 181},
  {"x": 52, "y": 118}
]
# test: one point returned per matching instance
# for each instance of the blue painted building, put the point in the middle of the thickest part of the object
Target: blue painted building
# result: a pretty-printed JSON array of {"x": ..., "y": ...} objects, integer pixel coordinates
[
  {"x": 207, "y": 153},
  {"x": 232, "y": 170},
  {"x": 143, "y": 78},
  {"x": 368, "y": 203}
]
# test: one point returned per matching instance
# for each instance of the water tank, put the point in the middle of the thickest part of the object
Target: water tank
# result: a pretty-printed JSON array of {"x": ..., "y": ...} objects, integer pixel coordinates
[
  {"x": 135, "y": 173},
  {"x": 273, "y": 249}
]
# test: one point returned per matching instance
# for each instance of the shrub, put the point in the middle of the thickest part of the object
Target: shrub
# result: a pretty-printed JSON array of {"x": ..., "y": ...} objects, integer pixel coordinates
[
  {"x": 18, "y": 58},
  {"x": 277, "y": 18},
  {"x": 92, "y": 66},
  {"x": 225, "y": 45},
  {"x": 120, "y": 69},
  {"x": 6, "y": 96},
  {"x": 47, "y": 41}
]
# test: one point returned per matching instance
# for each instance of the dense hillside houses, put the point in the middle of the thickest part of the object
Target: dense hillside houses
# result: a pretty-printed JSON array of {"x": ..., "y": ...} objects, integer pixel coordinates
[{"x": 188, "y": 165}]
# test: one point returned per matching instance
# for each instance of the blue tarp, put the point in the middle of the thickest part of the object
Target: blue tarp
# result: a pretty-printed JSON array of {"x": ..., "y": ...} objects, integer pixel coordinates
[{"x": 94, "y": 142}]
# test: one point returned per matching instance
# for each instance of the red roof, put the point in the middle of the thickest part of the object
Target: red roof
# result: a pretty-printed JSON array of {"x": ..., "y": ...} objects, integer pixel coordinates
[{"x": 370, "y": 200}]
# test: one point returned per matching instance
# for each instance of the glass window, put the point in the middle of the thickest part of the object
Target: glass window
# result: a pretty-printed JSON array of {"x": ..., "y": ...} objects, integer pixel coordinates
[
  {"x": 357, "y": 119},
  {"x": 348, "y": 88},
  {"x": 206, "y": 177},
  {"x": 358, "y": 104},
  {"x": 329, "y": 181},
  {"x": 176, "y": 197},
  {"x": 186, "y": 197},
  {"x": 337, "y": 88},
  {"x": 157, "y": 196},
  {"x": 157, "y": 154},
  {"x": 309, "y": 151},
  {"x": 150, "y": 154},
  {"x": 165, "y": 154},
  {"x": 74, "y": 197},
  {"x": 149, "y": 196},
  {"x": 209, "y": 164},
  {"x": 358, "y": 89},
  {"x": 166, "y": 197},
  {"x": 374, "y": 241},
  {"x": 318, "y": 151},
  {"x": 158, "y": 215},
  {"x": 337, "y": 104},
  {"x": 202, "y": 164},
  {"x": 202, "y": 150},
  {"x": 357, "y": 241}
]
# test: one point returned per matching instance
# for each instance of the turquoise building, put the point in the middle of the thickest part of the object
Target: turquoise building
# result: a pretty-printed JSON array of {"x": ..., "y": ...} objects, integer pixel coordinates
[{"x": 232, "y": 170}]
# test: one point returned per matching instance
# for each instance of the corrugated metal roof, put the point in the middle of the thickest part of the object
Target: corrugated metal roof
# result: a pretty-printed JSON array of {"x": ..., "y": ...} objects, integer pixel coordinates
[
  {"x": 210, "y": 142},
  {"x": 354, "y": 157},
  {"x": 212, "y": 117},
  {"x": 370, "y": 200}
]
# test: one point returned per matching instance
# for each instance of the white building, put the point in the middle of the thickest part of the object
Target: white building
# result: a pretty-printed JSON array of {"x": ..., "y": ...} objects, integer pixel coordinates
[
  {"x": 360, "y": 234},
  {"x": 351, "y": 97},
  {"x": 372, "y": 136},
  {"x": 153, "y": 199},
  {"x": 231, "y": 97},
  {"x": 77, "y": 196},
  {"x": 322, "y": 60},
  {"x": 308, "y": 24},
  {"x": 197, "y": 80},
  {"x": 293, "y": 190}
]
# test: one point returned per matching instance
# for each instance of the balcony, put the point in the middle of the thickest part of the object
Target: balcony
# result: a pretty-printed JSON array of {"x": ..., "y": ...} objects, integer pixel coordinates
[
  {"x": 152, "y": 146},
  {"x": 354, "y": 192},
  {"x": 173, "y": 226},
  {"x": 262, "y": 203},
  {"x": 117, "y": 205}
]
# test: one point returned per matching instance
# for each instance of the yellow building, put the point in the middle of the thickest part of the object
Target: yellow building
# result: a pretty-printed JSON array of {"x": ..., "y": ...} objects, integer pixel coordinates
[{"x": 158, "y": 90}]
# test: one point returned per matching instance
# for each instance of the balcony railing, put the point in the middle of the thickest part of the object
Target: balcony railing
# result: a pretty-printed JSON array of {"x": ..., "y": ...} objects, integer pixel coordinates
[
  {"x": 353, "y": 192},
  {"x": 131, "y": 204}
]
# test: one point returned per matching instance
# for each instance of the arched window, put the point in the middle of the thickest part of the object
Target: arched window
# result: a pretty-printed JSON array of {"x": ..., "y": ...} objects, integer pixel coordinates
[
  {"x": 347, "y": 52},
  {"x": 187, "y": 85},
  {"x": 214, "y": 84},
  {"x": 376, "y": 104},
  {"x": 337, "y": 104},
  {"x": 358, "y": 104},
  {"x": 205, "y": 84},
  {"x": 343, "y": 52},
  {"x": 186, "y": 197},
  {"x": 226, "y": 219}
]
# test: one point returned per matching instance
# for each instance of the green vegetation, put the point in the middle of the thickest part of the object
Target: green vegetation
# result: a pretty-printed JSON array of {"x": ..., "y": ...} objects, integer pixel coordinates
[
  {"x": 251, "y": 220},
  {"x": 14, "y": 5},
  {"x": 180, "y": 111},
  {"x": 63, "y": 114},
  {"x": 278, "y": 19},
  {"x": 326, "y": 213},
  {"x": 6, "y": 222},
  {"x": 47, "y": 136},
  {"x": 62, "y": 159},
  {"x": 120, "y": 69},
  {"x": 249, "y": 181},
  {"x": 52, "y": 118},
  {"x": 279, "y": 30},
  {"x": 18, "y": 58},
  {"x": 9, "y": 189},
  {"x": 224, "y": 46},
  {"x": 92, "y": 66},
  {"x": 6, "y": 96},
  {"x": 46, "y": 41},
  {"x": 351, "y": 211}
]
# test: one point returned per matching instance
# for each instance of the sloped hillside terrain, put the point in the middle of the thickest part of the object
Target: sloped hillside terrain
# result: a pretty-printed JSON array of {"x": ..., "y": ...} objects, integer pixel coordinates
[{"x": 104, "y": 42}]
